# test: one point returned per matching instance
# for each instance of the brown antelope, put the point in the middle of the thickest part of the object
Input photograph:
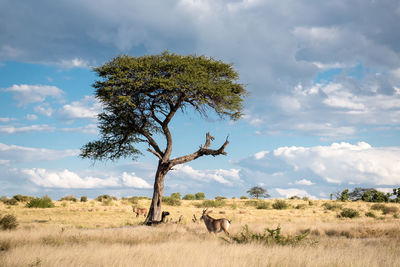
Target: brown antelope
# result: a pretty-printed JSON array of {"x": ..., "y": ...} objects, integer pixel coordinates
[
  {"x": 163, "y": 215},
  {"x": 139, "y": 211},
  {"x": 215, "y": 225}
]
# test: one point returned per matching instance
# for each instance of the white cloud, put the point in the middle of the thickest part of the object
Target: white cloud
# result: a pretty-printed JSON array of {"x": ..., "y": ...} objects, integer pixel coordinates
[
  {"x": 31, "y": 117},
  {"x": 25, "y": 129},
  {"x": 44, "y": 109},
  {"x": 29, "y": 154},
  {"x": 88, "y": 129},
  {"x": 74, "y": 63},
  {"x": 304, "y": 182},
  {"x": 227, "y": 177},
  {"x": 25, "y": 94},
  {"x": 6, "y": 119},
  {"x": 346, "y": 163},
  {"x": 86, "y": 108},
  {"x": 290, "y": 192},
  {"x": 260, "y": 155},
  {"x": 66, "y": 179},
  {"x": 131, "y": 180}
]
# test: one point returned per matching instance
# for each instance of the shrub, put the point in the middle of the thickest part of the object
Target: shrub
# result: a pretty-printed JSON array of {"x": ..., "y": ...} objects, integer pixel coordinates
[
  {"x": 294, "y": 197},
  {"x": 210, "y": 204},
  {"x": 21, "y": 198},
  {"x": 390, "y": 209},
  {"x": 44, "y": 202},
  {"x": 69, "y": 198},
  {"x": 11, "y": 201},
  {"x": 102, "y": 198},
  {"x": 301, "y": 206},
  {"x": 189, "y": 197},
  {"x": 332, "y": 206},
  {"x": 262, "y": 205},
  {"x": 200, "y": 196},
  {"x": 370, "y": 214},
  {"x": 268, "y": 237},
  {"x": 251, "y": 202},
  {"x": 83, "y": 198},
  {"x": 8, "y": 222},
  {"x": 244, "y": 197},
  {"x": 176, "y": 195},
  {"x": 378, "y": 207},
  {"x": 349, "y": 213},
  {"x": 305, "y": 199},
  {"x": 171, "y": 201},
  {"x": 219, "y": 197},
  {"x": 280, "y": 205}
]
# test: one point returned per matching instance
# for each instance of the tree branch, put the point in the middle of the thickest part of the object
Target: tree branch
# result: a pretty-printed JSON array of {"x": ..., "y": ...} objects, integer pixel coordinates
[
  {"x": 155, "y": 153},
  {"x": 203, "y": 151}
]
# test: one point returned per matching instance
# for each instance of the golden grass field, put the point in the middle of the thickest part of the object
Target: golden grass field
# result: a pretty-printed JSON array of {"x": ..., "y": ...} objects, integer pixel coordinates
[{"x": 95, "y": 234}]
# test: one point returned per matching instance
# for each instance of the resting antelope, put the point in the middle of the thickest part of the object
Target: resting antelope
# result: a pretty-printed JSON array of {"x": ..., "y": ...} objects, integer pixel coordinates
[
  {"x": 139, "y": 211},
  {"x": 215, "y": 225}
]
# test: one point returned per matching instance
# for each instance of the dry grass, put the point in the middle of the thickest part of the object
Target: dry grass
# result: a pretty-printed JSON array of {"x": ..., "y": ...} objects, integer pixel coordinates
[{"x": 94, "y": 234}]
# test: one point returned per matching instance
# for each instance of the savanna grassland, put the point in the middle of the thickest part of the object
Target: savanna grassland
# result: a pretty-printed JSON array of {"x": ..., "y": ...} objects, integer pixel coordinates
[{"x": 109, "y": 234}]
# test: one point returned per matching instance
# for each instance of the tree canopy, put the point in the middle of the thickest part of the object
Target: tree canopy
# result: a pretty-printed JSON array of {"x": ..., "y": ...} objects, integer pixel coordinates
[{"x": 258, "y": 191}]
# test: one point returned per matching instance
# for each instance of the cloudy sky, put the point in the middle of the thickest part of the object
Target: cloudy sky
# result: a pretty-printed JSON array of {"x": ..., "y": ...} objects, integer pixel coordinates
[{"x": 323, "y": 112}]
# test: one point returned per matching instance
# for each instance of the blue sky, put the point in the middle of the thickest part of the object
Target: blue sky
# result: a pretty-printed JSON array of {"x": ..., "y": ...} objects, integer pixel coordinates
[{"x": 323, "y": 112}]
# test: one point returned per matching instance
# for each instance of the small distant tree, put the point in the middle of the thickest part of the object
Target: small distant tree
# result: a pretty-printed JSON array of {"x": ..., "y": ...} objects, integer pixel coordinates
[
  {"x": 344, "y": 196},
  {"x": 176, "y": 195},
  {"x": 188, "y": 197},
  {"x": 257, "y": 192},
  {"x": 200, "y": 196}
]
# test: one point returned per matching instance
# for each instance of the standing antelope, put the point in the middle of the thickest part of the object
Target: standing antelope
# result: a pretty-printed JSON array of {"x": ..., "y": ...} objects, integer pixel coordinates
[
  {"x": 215, "y": 225},
  {"x": 139, "y": 211}
]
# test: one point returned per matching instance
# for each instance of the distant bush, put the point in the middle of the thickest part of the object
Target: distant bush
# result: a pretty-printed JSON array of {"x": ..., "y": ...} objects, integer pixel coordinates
[
  {"x": 378, "y": 206},
  {"x": 233, "y": 197},
  {"x": 83, "y": 198},
  {"x": 301, "y": 206},
  {"x": 332, "y": 206},
  {"x": 390, "y": 209},
  {"x": 219, "y": 197},
  {"x": 44, "y": 202},
  {"x": 305, "y": 198},
  {"x": 171, "y": 201},
  {"x": 176, "y": 195},
  {"x": 189, "y": 197},
  {"x": 8, "y": 222},
  {"x": 280, "y": 205},
  {"x": 294, "y": 198},
  {"x": 244, "y": 197},
  {"x": 11, "y": 201},
  {"x": 370, "y": 214},
  {"x": 69, "y": 198},
  {"x": 21, "y": 198},
  {"x": 251, "y": 202},
  {"x": 102, "y": 198},
  {"x": 200, "y": 196},
  {"x": 210, "y": 204},
  {"x": 349, "y": 213},
  {"x": 262, "y": 205}
]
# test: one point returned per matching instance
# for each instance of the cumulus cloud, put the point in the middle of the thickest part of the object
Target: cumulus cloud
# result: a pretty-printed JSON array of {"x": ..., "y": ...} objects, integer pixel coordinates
[
  {"x": 304, "y": 182},
  {"x": 87, "y": 129},
  {"x": 86, "y": 108},
  {"x": 227, "y": 177},
  {"x": 28, "y": 154},
  {"x": 69, "y": 179},
  {"x": 66, "y": 179},
  {"x": 25, "y": 94},
  {"x": 290, "y": 192},
  {"x": 9, "y": 129},
  {"x": 131, "y": 180}
]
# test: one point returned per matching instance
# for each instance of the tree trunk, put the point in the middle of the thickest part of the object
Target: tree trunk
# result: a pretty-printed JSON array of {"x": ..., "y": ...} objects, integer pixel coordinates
[{"x": 155, "y": 207}]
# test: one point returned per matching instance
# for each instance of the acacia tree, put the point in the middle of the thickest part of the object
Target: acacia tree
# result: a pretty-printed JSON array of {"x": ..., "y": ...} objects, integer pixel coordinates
[
  {"x": 141, "y": 95},
  {"x": 258, "y": 191}
]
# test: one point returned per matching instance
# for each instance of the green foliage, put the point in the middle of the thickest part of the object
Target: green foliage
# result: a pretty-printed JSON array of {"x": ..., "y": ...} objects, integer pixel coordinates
[
  {"x": 69, "y": 198},
  {"x": 137, "y": 93},
  {"x": 257, "y": 192},
  {"x": 344, "y": 196},
  {"x": 280, "y": 205},
  {"x": 11, "y": 201},
  {"x": 244, "y": 197},
  {"x": 171, "y": 201},
  {"x": 349, "y": 213},
  {"x": 103, "y": 198},
  {"x": 370, "y": 214},
  {"x": 268, "y": 237},
  {"x": 200, "y": 196},
  {"x": 84, "y": 199},
  {"x": 176, "y": 195},
  {"x": 262, "y": 205},
  {"x": 332, "y": 206},
  {"x": 21, "y": 198},
  {"x": 210, "y": 204},
  {"x": 43, "y": 202},
  {"x": 220, "y": 197},
  {"x": 189, "y": 197},
  {"x": 8, "y": 222}
]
